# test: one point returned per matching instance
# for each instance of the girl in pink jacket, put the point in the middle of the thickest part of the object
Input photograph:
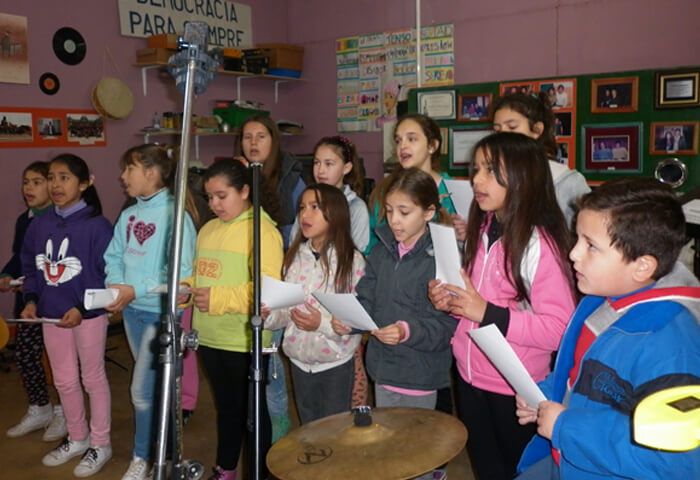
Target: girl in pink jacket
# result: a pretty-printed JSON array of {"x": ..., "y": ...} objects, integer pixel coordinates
[{"x": 518, "y": 277}]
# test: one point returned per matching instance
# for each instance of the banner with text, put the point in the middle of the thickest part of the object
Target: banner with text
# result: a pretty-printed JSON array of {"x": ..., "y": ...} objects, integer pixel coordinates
[{"x": 230, "y": 24}]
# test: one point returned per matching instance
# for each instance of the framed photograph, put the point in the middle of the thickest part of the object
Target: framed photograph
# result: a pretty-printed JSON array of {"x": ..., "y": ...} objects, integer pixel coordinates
[
  {"x": 677, "y": 89},
  {"x": 562, "y": 124},
  {"x": 563, "y": 154},
  {"x": 612, "y": 147},
  {"x": 561, "y": 94},
  {"x": 439, "y": 105},
  {"x": 85, "y": 128},
  {"x": 16, "y": 127},
  {"x": 674, "y": 137},
  {"x": 620, "y": 94},
  {"x": 510, "y": 88},
  {"x": 473, "y": 107},
  {"x": 462, "y": 141},
  {"x": 50, "y": 128}
]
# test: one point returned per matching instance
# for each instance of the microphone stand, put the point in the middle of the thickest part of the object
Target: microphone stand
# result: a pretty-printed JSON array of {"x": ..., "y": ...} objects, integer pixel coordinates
[
  {"x": 256, "y": 370},
  {"x": 172, "y": 339}
]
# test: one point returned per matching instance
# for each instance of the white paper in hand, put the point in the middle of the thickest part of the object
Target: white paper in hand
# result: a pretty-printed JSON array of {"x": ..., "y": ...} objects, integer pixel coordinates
[
  {"x": 462, "y": 195},
  {"x": 278, "y": 294},
  {"x": 496, "y": 347},
  {"x": 346, "y": 308},
  {"x": 33, "y": 320},
  {"x": 16, "y": 282},
  {"x": 447, "y": 260},
  {"x": 99, "y": 297}
]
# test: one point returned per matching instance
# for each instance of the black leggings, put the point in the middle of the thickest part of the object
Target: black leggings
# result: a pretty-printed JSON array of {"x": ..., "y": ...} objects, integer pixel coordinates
[
  {"x": 29, "y": 350},
  {"x": 496, "y": 439},
  {"x": 228, "y": 374}
]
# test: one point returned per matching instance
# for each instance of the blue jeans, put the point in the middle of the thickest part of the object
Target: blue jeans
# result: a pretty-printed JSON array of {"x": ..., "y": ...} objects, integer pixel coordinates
[
  {"x": 141, "y": 332},
  {"x": 276, "y": 389}
]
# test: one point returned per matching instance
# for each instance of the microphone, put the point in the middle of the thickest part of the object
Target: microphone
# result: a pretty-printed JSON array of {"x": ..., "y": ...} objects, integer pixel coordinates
[{"x": 192, "y": 46}]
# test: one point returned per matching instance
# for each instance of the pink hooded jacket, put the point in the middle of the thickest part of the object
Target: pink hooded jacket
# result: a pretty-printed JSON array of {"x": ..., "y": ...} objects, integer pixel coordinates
[{"x": 535, "y": 329}]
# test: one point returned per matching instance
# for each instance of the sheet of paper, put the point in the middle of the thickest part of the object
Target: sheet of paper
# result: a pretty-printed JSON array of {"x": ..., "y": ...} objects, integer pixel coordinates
[
  {"x": 496, "y": 347},
  {"x": 447, "y": 259},
  {"x": 462, "y": 195},
  {"x": 99, "y": 297},
  {"x": 346, "y": 308},
  {"x": 692, "y": 211},
  {"x": 163, "y": 288},
  {"x": 33, "y": 320},
  {"x": 16, "y": 282},
  {"x": 278, "y": 294}
]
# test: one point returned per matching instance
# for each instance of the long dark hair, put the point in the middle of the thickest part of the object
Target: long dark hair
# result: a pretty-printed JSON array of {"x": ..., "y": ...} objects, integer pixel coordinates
[
  {"x": 536, "y": 108},
  {"x": 272, "y": 166},
  {"x": 336, "y": 212},
  {"x": 79, "y": 168},
  {"x": 238, "y": 175},
  {"x": 520, "y": 165},
  {"x": 345, "y": 149},
  {"x": 164, "y": 160}
]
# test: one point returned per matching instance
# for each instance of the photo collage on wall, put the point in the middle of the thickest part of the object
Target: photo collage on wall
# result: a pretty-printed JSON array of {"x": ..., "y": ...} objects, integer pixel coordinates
[
  {"x": 561, "y": 95},
  {"x": 43, "y": 127}
]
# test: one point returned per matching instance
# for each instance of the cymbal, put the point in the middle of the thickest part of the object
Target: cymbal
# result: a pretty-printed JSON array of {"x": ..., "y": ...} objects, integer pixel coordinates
[{"x": 400, "y": 443}]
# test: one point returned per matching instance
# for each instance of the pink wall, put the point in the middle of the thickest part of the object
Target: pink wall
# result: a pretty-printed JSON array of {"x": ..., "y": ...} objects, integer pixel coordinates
[{"x": 493, "y": 41}]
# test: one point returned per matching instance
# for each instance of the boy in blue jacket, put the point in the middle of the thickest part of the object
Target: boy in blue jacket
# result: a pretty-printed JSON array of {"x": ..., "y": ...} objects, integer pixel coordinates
[{"x": 635, "y": 332}]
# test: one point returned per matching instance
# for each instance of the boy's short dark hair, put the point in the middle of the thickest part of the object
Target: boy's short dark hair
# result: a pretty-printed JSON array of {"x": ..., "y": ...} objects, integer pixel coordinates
[{"x": 645, "y": 218}]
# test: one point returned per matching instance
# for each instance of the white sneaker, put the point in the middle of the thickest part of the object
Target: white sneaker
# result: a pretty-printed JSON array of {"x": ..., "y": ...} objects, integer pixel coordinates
[
  {"x": 36, "y": 418},
  {"x": 138, "y": 470},
  {"x": 65, "y": 451},
  {"x": 93, "y": 460},
  {"x": 57, "y": 428}
]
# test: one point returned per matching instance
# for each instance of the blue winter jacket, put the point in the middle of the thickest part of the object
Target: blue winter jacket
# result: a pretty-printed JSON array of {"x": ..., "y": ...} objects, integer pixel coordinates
[{"x": 653, "y": 344}]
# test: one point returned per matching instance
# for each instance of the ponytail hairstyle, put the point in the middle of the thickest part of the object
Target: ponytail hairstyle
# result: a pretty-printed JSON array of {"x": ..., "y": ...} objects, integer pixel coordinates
[
  {"x": 164, "y": 160},
  {"x": 79, "y": 168},
  {"x": 431, "y": 130},
  {"x": 40, "y": 167},
  {"x": 335, "y": 210},
  {"x": 237, "y": 176},
  {"x": 345, "y": 149},
  {"x": 272, "y": 166},
  {"x": 520, "y": 165},
  {"x": 421, "y": 189},
  {"x": 536, "y": 108}
]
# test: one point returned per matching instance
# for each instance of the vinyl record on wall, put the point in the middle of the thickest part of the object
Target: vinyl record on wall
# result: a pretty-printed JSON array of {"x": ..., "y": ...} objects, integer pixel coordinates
[
  {"x": 69, "y": 46},
  {"x": 49, "y": 84}
]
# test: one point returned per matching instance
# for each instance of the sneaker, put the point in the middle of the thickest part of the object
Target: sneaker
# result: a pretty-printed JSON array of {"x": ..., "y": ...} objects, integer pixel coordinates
[
  {"x": 221, "y": 474},
  {"x": 65, "y": 451},
  {"x": 93, "y": 460},
  {"x": 440, "y": 474},
  {"x": 36, "y": 418},
  {"x": 57, "y": 428},
  {"x": 138, "y": 470}
]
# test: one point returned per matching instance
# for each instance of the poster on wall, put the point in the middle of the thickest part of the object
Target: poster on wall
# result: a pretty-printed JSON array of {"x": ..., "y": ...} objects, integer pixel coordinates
[
  {"x": 375, "y": 72},
  {"x": 560, "y": 94},
  {"x": 50, "y": 127},
  {"x": 14, "y": 54},
  {"x": 230, "y": 23}
]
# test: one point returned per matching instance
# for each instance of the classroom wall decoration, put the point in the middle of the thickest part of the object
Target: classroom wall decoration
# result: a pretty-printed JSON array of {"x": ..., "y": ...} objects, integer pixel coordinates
[
  {"x": 374, "y": 72},
  {"x": 51, "y": 127},
  {"x": 650, "y": 120},
  {"x": 14, "y": 52}
]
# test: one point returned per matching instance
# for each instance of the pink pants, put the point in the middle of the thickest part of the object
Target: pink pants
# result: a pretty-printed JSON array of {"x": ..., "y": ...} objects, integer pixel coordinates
[
  {"x": 190, "y": 375},
  {"x": 78, "y": 353}
]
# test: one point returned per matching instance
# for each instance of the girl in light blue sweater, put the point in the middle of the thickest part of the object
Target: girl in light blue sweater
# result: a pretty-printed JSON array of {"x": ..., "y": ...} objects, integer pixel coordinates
[{"x": 136, "y": 263}]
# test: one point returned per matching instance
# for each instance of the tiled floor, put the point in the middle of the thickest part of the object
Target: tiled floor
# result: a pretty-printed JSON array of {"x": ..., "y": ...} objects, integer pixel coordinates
[{"x": 20, "y": 459}]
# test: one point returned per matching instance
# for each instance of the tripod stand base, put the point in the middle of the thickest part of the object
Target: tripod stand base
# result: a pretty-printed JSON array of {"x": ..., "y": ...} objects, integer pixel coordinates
[{"x": 193, "y": 469}]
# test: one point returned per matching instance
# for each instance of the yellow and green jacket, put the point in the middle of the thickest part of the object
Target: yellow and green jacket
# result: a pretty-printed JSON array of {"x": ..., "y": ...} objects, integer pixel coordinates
[{"x": 224, "y": 262}]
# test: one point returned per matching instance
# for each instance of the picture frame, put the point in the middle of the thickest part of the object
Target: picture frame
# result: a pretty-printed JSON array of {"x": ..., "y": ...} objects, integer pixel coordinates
[
  {"x": 614, "y": 147},
  {"x": 438, "y": 104},
  {"x": 677, "y": 89},
  {"x": 560, "y": 93},
  {"x": 473, "y": 107},
  {"x": 614, "y": 95},
  {"x": 678, "y": 138},
  {"x": 509, "y": 88},
  {"x": 462, "y": 141}
]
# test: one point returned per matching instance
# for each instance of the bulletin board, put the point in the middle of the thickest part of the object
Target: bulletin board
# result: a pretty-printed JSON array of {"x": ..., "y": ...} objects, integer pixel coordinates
[
  {"x": 652, "y": 115},
  {"x": 51, "y": 127}
]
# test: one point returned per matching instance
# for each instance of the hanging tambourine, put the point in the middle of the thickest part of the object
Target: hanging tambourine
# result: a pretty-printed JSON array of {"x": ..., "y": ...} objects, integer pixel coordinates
[{"x": 112, "y": 98}]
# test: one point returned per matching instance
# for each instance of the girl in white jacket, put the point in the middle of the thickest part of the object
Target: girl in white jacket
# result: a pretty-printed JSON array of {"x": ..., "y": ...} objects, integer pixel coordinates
[{"x": 322, "y": 257}]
